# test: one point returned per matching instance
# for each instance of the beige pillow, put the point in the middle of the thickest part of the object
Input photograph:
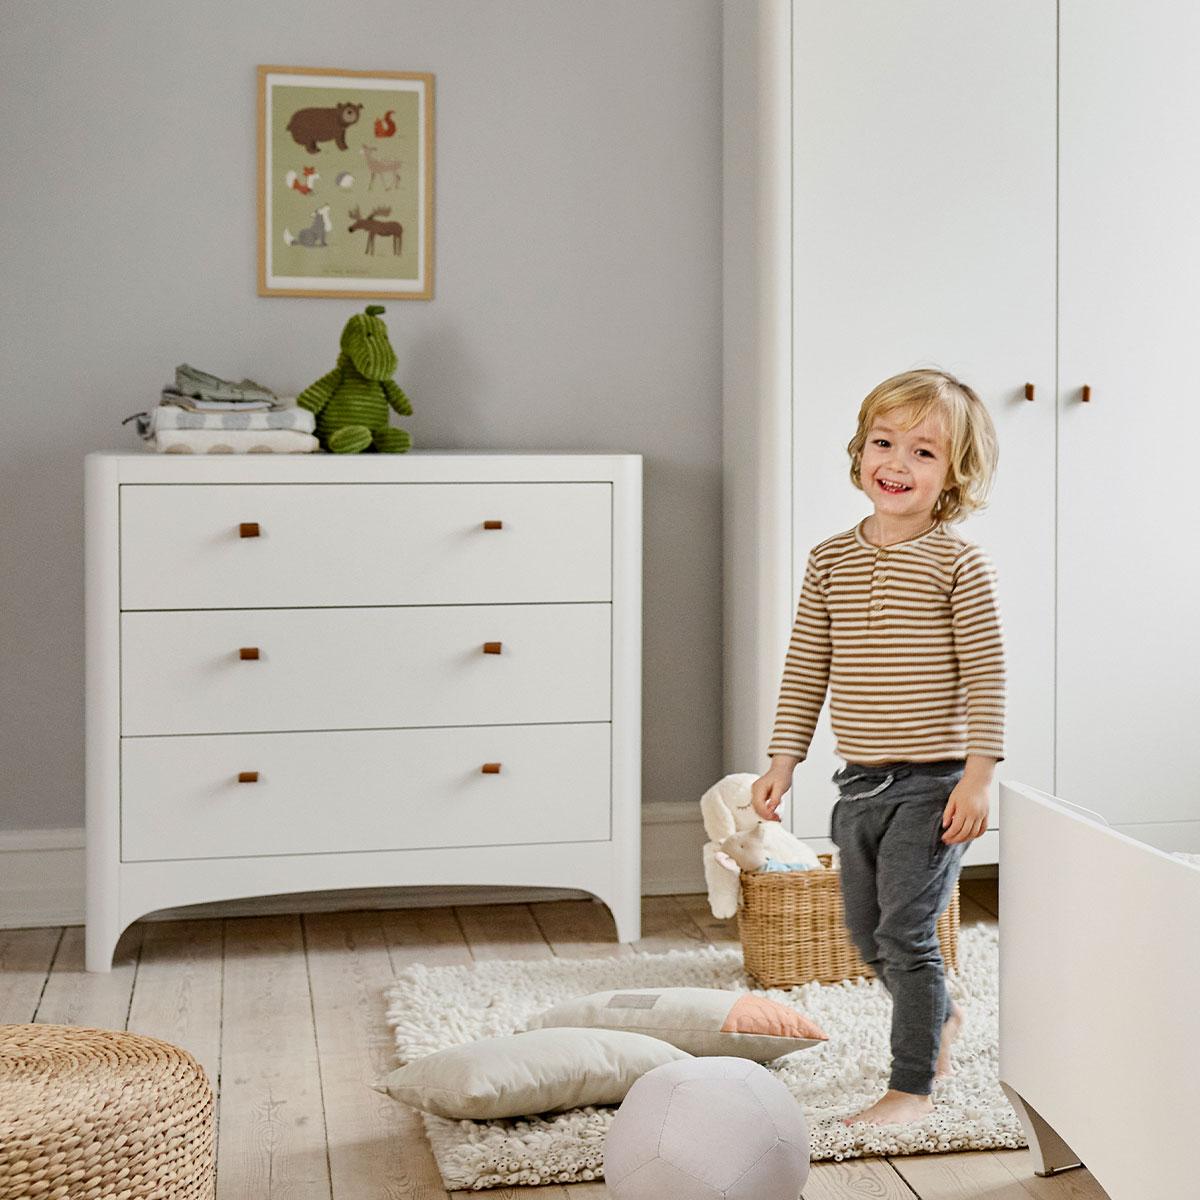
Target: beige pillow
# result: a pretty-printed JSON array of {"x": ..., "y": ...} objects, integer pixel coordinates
[
  {"x": 701, "y": 1021},
  {"x": 544, "y": 1070}
]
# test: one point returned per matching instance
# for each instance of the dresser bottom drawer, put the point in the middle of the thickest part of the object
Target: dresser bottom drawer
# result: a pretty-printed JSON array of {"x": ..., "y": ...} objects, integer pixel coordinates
[{"x": 360, "y": 790}]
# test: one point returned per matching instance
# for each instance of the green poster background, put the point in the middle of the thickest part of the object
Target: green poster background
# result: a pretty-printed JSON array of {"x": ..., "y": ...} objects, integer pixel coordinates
[{"x": 344, "y": 254}]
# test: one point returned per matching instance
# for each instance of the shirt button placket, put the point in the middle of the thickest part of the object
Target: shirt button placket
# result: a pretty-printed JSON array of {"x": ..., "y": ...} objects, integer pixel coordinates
[{"x": 876, "y": 598}]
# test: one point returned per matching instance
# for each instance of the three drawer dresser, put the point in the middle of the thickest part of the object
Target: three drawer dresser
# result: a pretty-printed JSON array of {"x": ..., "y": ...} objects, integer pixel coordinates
[{"x": 309, "y": 672}]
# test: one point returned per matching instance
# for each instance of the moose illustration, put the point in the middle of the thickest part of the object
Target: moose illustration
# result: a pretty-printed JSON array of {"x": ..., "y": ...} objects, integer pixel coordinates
[
  {"x": 381, "y": 166},
  {"x": 372, "y": 226}
]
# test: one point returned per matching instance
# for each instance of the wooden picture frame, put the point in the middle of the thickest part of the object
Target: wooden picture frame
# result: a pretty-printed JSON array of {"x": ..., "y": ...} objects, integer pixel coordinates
[{"x": 345, "y": 183}]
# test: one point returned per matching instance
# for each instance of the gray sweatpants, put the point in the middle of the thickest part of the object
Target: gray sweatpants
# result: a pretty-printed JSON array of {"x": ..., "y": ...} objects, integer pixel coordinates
[{"x": 897, "y": 878}]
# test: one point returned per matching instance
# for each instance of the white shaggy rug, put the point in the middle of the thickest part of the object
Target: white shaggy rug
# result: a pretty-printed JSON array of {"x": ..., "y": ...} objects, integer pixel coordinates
[{"x": 431, "y": 1008}]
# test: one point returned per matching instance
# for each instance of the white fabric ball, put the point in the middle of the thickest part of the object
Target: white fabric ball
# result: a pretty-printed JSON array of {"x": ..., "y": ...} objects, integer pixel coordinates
[{"x": 707, "y": 1129}]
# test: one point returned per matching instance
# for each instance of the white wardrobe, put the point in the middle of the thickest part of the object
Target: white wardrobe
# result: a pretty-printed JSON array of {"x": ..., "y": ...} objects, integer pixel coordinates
[{"x": 1010, "y": 192}]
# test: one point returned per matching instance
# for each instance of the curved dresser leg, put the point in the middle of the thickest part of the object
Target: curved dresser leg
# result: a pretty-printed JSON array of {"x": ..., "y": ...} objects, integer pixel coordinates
[
  {"x": 1050, "y": 1153},
  {"x": 626, "y": 914},
  {"x": 100, "y": 942}
]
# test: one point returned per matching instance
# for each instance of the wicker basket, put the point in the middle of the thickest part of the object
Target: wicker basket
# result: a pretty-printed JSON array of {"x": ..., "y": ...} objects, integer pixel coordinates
[
  {"x": 793, "y": 932},
  {"x": 93, "y": 1114}
]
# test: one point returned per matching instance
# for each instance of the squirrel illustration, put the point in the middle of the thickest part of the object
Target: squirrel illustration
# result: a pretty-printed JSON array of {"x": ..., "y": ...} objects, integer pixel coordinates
[
  {"x": 385, "y": 126},
  {"x": 304, "y": 183}
]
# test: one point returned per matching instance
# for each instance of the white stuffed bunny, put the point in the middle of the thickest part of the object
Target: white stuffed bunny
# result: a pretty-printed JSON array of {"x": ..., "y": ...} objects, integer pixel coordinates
[{"x": 726, "y": 810}]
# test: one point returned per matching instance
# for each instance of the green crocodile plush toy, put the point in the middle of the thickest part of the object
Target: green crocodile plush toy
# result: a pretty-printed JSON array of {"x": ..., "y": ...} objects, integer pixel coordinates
[{"x": 351, "y": 402}]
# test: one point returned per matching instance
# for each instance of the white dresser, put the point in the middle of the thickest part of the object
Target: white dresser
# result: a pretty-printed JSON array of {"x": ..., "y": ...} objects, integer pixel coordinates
[{"x": 318, "y": 671}]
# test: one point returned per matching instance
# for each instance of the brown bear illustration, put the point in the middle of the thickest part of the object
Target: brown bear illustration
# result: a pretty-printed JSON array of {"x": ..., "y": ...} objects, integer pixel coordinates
[{"x": 312, "y": 125}]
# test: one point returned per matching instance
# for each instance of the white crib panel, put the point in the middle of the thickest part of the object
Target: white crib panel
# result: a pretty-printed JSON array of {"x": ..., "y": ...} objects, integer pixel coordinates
[{"x": 1099, "y": 974}]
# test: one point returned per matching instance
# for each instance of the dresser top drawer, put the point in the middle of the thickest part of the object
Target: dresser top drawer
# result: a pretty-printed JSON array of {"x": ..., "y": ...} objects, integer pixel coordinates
[{"x": 321, "y": 545}]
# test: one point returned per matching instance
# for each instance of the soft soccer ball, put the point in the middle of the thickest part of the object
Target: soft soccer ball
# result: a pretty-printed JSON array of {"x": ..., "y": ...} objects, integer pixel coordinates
[{"x": 707, "y": 1129}]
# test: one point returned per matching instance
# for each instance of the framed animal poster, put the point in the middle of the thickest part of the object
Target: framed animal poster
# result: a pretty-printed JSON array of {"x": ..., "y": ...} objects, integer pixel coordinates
[{"x": 345, "y": 183}]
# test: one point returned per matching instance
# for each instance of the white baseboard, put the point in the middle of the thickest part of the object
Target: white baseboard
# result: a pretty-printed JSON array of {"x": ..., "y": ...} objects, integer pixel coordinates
[{"x": 42, "y": 878}]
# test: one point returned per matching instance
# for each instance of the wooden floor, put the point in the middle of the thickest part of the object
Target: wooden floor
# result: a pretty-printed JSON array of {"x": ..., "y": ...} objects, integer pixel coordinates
[{"x": 286, "y": 1014}]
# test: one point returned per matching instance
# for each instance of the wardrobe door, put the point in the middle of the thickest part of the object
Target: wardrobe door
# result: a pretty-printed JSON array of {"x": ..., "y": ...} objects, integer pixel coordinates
[
  {"x": 1129, "y": 517},
  {"x": 924, "y": 234}
]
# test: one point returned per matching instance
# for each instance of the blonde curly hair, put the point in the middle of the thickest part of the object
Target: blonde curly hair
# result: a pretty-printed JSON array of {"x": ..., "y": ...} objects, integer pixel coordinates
[{"x": 965, "y": 422}]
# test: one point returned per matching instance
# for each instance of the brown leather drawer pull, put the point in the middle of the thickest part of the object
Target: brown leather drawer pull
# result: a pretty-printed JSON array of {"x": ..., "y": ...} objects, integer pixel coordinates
[
  {"x": 248, "y": 654},
  {"x": 1086, "y": 396},
  {"x": 492, "y": 647},
  {"x": 1029, "y": 391},
  {"x": 491, "y": 768},
  {"x": 493, "y": 524},
  {"x": 247, "y": 777},
  {"x": 249, "y": 529}
]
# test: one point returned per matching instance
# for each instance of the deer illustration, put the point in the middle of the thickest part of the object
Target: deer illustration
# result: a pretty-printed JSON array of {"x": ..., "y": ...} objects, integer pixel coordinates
[
  {"x": 372, "y": 226},
  {"x": 314, "y": 235},
  {"x": 381, "y": 166}
]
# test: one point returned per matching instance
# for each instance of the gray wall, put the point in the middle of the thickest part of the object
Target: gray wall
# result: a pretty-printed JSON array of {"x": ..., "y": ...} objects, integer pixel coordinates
[{"x": 577, "y": 300}]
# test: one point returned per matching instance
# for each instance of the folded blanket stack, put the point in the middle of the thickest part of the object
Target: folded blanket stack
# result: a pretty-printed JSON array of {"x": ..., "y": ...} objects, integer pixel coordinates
[{"x": 202, "y": 414}]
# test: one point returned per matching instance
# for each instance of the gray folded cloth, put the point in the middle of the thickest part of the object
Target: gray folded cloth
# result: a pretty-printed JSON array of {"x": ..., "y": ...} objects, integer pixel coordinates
[
  {"x": 170, "y": 417},
  {"x": 191, "y": 381},
  {"x": 172, "y": 395}
]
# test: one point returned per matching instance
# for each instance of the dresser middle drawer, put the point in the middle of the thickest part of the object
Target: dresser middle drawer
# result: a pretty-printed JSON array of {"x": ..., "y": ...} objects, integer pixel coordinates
[{"x": 255, "y": 670}]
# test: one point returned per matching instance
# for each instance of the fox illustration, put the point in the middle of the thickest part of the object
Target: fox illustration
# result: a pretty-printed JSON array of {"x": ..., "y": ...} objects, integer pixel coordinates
[{"x": 304, "y": 182}]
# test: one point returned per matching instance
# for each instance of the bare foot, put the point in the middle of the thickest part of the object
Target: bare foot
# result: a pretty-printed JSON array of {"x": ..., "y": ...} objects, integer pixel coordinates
[
  {"x": 896, "y": 1108},
  {"x": 950, "y": 1032}
]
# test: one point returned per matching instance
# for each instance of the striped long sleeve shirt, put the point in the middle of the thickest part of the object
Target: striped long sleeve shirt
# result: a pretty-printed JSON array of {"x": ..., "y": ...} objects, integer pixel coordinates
[{"x": 908, "y": 641}]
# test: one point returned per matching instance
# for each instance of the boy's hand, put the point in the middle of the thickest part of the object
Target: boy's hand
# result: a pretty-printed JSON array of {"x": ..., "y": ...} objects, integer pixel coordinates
[
  {"x": 769, "y": 789},
  {"x": 966, "y": 814}
]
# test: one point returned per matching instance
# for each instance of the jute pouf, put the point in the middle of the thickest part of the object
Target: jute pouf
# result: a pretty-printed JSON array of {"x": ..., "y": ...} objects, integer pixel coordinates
[{"x": 91, "y": 1114}]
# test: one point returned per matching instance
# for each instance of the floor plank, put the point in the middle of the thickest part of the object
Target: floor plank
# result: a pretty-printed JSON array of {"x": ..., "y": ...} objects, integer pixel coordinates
[
  {"x": 416, "y": 1155},
  {"x": 985, "y": 892},
  {"x": 720, "y": 933},
  {"x": 99, "y": 1001},
  {"x": 502, "y": 931},
  {"x": 856, "y": 1179},
  {"x": 579, "y": 929},
  {"x": 26, "y": 956},
  {"x": 431, "y": 936},
  {"x": 177, "y": 992},
  {"x": 348, "y": 968},
  {"x": 953, "y": 1176},
  {"x": 667, "y": 926},
  {"x": 272, "y": 1138},
  {"x": 1070, "y": 1185}
]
